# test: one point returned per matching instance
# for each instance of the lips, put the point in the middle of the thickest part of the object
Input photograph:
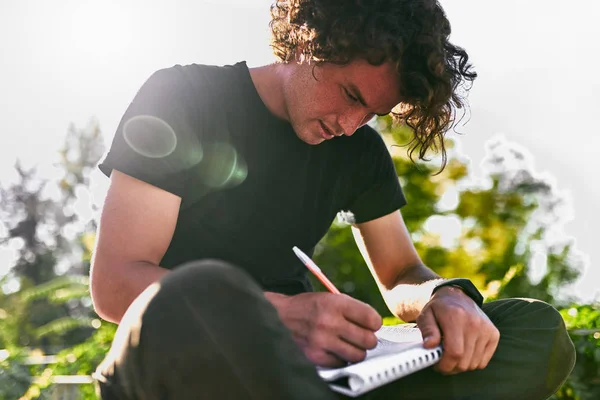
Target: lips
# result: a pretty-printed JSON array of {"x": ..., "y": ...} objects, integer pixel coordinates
[{"x": 325, "y": 132}]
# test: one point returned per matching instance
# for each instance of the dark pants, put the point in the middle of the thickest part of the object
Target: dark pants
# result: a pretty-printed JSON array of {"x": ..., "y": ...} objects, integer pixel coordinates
[{"x": 206, "y": 331}]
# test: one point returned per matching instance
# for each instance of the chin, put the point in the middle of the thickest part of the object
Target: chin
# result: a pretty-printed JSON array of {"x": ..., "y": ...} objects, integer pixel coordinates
[
  {"x": 309, "y": 137},
  {"x": 312, "y": 140}
]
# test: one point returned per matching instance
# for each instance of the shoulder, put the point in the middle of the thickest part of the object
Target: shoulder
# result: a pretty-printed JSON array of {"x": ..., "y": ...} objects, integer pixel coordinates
[{"x": 192, "y": 75}]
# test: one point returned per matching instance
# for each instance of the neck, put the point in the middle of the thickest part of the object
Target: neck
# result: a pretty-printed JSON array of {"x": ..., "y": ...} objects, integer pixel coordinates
[{"x": 268, "y": 81}]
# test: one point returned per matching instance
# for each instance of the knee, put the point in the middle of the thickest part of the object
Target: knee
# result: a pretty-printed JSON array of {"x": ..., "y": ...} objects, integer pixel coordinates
[
  {"x": 208, "y": 285},
  {"x": 208, "y": 277},
  {"x": 560, "y": 351},
  {"x": 524, "y": 313}
]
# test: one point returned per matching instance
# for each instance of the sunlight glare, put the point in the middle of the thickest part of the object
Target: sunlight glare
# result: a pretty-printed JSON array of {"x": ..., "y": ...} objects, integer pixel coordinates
[
  {"x": 448, "y": 227},
  {"x": 100, "y": 27}
]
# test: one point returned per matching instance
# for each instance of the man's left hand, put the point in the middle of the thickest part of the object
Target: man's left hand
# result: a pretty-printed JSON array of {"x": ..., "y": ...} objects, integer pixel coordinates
[{"x": 469, "y": 337}]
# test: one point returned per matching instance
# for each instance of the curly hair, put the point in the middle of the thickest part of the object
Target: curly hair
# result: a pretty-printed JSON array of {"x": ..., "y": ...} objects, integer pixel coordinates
[{"x": 412, "y": 34}]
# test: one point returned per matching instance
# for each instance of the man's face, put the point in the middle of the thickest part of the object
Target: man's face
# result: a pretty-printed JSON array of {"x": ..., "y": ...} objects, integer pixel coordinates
[{"x": 340, "y": 100}]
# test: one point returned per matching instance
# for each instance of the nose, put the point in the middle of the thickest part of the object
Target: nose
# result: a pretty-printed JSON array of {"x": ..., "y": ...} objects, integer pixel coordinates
[{"x": 351, "y": 121}]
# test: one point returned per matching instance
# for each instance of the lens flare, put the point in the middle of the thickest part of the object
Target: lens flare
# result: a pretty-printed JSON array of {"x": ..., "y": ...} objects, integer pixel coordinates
[
  {"x": 149, "y": 136},
  {"x": 223, "y": 167}
]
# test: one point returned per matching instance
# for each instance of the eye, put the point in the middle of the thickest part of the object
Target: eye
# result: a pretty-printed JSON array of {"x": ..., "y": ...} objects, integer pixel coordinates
[{"x": 349, "y": 95}]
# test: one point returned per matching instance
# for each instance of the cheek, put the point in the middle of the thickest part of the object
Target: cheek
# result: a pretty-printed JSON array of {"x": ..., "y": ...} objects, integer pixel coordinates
[
  {"x": 326, "y": 102},
  {"x": 314, "y": 100},
  {"x": 367, "y": 119}
]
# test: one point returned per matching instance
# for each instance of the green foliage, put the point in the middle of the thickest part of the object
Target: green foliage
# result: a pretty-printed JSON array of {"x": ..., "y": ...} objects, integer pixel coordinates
[
  {"x": 343, "y": 264},
  {"x": 81, "y": 359},
  {"x": 30, "y": 316},
  {"x": 583, "y": 322},
  {"x": 44, "y": 308},
  {"x": 502, "y": 224},
  {"x": 15, "y": 376}
]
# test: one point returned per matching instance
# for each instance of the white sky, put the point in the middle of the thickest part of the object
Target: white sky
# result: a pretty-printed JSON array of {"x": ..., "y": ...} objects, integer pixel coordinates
[{"x": 72, "y": 60}]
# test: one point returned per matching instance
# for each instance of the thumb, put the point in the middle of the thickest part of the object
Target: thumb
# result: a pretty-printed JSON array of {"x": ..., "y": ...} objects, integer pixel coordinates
[{"x": 429, "y": 329}]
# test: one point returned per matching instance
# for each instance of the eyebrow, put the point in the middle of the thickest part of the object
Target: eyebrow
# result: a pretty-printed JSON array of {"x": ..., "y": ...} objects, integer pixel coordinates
[{"x": 361, "y": 99}]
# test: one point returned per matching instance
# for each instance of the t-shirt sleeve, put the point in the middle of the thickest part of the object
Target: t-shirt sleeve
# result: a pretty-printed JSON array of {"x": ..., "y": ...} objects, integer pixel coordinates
[
  {"x": 158, "y": 138},
  {"x": 378, "y": 191}
]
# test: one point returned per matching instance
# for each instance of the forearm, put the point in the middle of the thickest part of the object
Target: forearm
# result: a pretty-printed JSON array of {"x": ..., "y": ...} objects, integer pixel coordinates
[
  {"x": 411, "y": 292},
  {"x": 406, "y": 300},
  {"x": 114, "y": 289}
]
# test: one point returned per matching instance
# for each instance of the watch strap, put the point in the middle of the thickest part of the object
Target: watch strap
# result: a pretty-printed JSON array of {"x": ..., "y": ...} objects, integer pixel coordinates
[{"x": 467, "y": 287}]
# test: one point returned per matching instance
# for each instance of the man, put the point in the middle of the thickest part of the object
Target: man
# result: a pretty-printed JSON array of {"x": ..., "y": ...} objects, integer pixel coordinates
[{"x": 217, "y": 172}]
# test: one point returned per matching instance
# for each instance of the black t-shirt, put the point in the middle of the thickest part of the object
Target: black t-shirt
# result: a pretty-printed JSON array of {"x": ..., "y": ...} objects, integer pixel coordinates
[{"x": 250, "y": 188}]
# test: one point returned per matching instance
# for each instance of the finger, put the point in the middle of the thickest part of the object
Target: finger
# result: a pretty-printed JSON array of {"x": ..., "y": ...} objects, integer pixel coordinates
[
  {"x": 328, "y": 340},
  {"x": 362, "y": 314},
  {"x": 479, "y": 354},
  {"x": 324, "y": 358},
  {"x": 347, "y": 351},
  {"x": 471, "y": 343},
  {"x": 429, "y": 329},
  {"x": 452, "y": 329},
  {"x": 490, "y": 349},
  {"x": 358, "y": 336}
]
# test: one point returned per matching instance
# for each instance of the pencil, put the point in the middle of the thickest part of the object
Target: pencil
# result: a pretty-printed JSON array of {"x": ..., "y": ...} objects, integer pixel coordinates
[{"x": 310, "y": 264}]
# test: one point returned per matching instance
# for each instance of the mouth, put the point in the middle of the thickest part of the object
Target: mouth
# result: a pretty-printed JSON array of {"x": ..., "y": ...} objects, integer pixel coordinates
[{"x": 325, "y": 132}]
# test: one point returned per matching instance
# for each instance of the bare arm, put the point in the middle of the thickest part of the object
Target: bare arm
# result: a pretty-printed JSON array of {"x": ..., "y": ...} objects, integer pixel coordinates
[
  {"x": 469, "y": 337},
  {"x": 133, "y": 278},
  {"x": 404, "y": 281},
  {"x": 136, "y": 227}
]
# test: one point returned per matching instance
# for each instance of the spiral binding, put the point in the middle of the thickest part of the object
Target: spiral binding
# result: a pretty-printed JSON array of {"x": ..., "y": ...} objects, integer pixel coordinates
[{"x": 406, "y": 368}]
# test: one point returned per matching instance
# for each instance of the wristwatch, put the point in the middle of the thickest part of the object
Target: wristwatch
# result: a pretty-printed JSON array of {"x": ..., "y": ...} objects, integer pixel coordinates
[{"x": 466, "y": 286}]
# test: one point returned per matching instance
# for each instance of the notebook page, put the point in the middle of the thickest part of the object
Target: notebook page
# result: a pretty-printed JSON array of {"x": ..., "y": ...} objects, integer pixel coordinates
[
  {"x": 385, "y": 346},
  {"x": 400, "y": 333},
  {"x": 390, "y": 339}
]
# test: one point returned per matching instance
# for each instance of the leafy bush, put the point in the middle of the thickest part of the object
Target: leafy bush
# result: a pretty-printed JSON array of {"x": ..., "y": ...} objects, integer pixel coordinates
[{"x": 583, "y": 323}]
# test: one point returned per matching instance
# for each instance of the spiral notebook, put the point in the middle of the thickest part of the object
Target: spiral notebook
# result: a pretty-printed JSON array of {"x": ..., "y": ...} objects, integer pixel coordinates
[{"x": 399, "y": 352}]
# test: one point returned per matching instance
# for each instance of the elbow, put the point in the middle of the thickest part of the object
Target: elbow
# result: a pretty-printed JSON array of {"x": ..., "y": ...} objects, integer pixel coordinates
[
  {"x": 102, "y": 309},
  {"x": 103, "y": 293}
]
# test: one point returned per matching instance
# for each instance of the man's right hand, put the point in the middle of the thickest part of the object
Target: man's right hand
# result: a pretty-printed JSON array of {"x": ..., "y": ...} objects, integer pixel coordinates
[{"x": 331, "y": 329}]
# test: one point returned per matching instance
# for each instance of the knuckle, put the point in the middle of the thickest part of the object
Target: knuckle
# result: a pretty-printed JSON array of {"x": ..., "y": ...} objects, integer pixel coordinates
[
  {"x": 315, "y": 355},
  {"x": 444, "y": 368},
  {"x": 323, "y": 322},
  {"x": 496, "y": 334},
  {"x": 452, "y": 353},
  {"x": 463, "y": 366},
  {"x": 344, "y": 301},
  {"x": 459, "y": 312},
  {"x": 370, "y": 340},
  {"x": 474, "y": 323},
  {"x": 356, "y": 356},
  {"x": 375, "y": 320},
  {"x": 325, "y": 305},
  {"x": 316, "y": 340},
  {"x": 422, "y": 315}
]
